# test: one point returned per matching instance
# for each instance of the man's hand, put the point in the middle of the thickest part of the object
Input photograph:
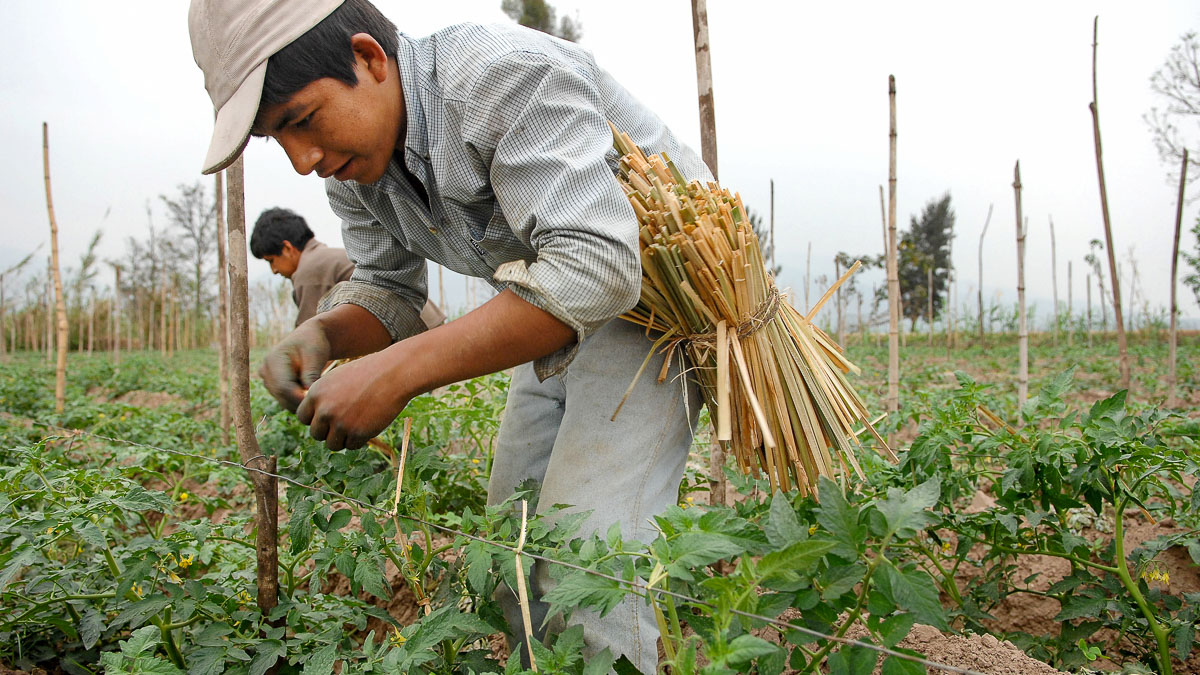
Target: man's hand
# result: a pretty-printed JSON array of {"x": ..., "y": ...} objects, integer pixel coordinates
[
  {"x": 352, "y": 403},
  {"x": 295, "y": 364}
]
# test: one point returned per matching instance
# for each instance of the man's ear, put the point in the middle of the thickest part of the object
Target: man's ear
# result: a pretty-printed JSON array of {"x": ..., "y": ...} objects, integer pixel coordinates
[
  {"x": 371, "y": 54},
  {"x": 288, "y": 248}
]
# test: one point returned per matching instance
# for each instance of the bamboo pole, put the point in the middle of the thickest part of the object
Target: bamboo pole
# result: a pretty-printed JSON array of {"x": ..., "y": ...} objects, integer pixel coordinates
[
  {"x": 1122, "y": 346},
  {"x": 929, "y": 300},
  {"x": 893, "y": 395},
  {"x": 442, "y": 292},
  {"x": 116, "y": 327},
  {"x": 1070, "y": 306},
  {"x": 1054, "y": 278},
  {"x": 265, "y": 487},
  {"x": 772, "y": 225},
  {"x": 1174, "y": 337},
  {"x": 704, "y": 86},
  {"x": 49, "y": 310},
  {"x": 841, "y": 313},
  {"x": 981, "y": 236},
  {"x": 807, "y": 277},
  {"x": 1022, "y": 328},
  {"x": 222, "y": 308},
  {"x": 1088, "y": 284},
  {"x": 91, "y": 323},
  {"x": 60, "y": 304}
]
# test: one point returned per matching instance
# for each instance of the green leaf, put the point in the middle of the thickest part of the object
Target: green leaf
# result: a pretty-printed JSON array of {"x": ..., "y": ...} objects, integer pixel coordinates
[
  {"x": 16, "y": 565},
  {"x": 156, "y": 666},
  {"x": 1185, "y": 635},
  {"x": 840, "y": 519},
  {"x": 782, "y": 527},
  {"x": 369, "y": 574},
  {"x": 579, "y": 589},
  {"x": 599, "y": 664},
  {"x": 1075, "y": 606},
  {"x": 138, "y": 499},
  {"x": 340, "y": 519},
  {"x": 206, "y": 661},
  {"x": 91, "y": 625},
  {"x": 300, "y": 526},
  {"x": 139, "y": 612},
  {"x": 907, "y": 513},
  {"x": 745, "y": 648},
  {"x": 265, "y": 656},
  {"x": 794, "y": 560},
  {"x": 697, "y": 549},
  {"x": 896, "y": 628},
  {"x": 321, "y": 663},
  {"x": 915, "y": 592},
  {"x": 139, "y": 641},
  {"x": 479, "y": 566},
  {"x": 92, "y": 535}
]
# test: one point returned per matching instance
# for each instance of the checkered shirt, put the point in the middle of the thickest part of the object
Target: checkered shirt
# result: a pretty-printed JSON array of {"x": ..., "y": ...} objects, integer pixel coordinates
[{"x": 508, "y": 134}]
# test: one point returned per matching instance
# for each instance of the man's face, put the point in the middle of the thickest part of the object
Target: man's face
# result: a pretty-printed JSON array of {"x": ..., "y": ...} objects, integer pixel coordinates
[
  {"x": 286, "y": 262},
  {"x": 348, "y": 132}
]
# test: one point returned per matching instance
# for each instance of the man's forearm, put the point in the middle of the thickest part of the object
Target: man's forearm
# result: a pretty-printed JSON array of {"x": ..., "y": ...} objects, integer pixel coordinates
[
  {"x": 504, "y": 332},
  {"x": 352, "y": 331}
]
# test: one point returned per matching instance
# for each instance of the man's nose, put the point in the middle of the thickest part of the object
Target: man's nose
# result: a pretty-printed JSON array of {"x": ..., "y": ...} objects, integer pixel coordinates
[{"x": 304, "y": 155}]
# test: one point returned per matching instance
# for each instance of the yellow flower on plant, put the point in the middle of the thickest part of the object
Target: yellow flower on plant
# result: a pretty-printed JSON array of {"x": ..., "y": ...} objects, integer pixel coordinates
[
  {"x": 186, "y": 561},
  {"x": 183, "y": 496},
  {"x": 137, "y": 589},
  {"x": 122, "y": 418},
  {"x": 1166, "y": 577},
  {"x": 812, "y": 529},
  {"x": 244, "y": 597},
  {"x": 475, "y": 460},
  {"x": 397, "y": 639},
  {"x": 101, "y": 415}
]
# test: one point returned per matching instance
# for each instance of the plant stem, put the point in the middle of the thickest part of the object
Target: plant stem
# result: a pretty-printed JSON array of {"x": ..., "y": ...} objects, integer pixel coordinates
[{"x": 1122, "y": 572}]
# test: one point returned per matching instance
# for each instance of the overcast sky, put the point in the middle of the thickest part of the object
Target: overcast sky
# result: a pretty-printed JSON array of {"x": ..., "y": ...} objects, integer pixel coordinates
[{"x": 801, "y": 97}]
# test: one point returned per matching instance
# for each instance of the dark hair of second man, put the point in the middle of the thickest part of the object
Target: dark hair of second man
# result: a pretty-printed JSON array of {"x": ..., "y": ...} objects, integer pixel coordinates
[
  {"x": 276, "y": 226},
  {"x": 325, "y": 51}
]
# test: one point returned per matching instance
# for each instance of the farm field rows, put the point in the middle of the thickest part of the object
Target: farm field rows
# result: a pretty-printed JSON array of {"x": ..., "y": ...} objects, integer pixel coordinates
[{"x": 1059, "y": 536}]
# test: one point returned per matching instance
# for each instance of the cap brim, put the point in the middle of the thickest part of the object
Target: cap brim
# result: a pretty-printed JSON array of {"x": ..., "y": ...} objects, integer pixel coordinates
[{"x": 234, "y": 119}]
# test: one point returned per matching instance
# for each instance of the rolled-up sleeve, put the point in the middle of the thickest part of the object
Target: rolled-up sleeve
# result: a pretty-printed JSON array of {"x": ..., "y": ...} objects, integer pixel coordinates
[
  {"x": 388, "y": 281},
  {"x": 541, "y": 127}
]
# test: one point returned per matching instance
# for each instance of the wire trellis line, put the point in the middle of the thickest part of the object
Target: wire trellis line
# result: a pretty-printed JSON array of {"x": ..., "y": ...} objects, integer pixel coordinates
[{"x": 633, "y": 585}]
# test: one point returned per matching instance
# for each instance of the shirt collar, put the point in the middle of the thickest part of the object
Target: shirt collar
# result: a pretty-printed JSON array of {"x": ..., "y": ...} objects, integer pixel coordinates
[{"x": 414, "y": 79}]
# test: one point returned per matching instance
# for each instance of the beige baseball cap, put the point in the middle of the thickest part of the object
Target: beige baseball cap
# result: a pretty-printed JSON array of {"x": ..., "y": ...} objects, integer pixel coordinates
[{"x": 231, "y": 42}]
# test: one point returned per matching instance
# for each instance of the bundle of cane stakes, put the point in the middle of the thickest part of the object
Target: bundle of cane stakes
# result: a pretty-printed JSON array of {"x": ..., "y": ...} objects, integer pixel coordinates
[{"x": 774, "y": 382}]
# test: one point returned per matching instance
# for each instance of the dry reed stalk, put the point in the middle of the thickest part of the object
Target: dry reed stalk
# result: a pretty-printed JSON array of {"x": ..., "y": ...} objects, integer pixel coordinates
[
  {"x": 893, "y": 267},
  {"x": 775, "y": 382},
  {"x": 522, "y": 594}
]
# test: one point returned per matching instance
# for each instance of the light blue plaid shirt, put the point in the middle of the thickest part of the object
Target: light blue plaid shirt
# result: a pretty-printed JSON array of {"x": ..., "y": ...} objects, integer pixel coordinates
[{"x": 508, "y": 133}]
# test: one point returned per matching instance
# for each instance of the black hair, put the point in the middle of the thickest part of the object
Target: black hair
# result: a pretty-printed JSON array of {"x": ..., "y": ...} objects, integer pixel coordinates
[
  {"x": 274, "y": 227},
  {"x": 325, "y": 51}
]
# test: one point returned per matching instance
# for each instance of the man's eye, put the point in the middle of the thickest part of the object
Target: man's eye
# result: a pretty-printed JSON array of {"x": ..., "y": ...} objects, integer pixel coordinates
[{"x": 304, "y": 123}]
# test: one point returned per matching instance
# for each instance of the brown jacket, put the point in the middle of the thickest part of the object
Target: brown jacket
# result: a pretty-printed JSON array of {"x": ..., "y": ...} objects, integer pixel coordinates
[{"x": 321, "y": 268}]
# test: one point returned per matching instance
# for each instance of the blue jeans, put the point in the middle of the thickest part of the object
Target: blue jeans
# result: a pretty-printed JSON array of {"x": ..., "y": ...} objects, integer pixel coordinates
[{"x": 558, "y": 432}]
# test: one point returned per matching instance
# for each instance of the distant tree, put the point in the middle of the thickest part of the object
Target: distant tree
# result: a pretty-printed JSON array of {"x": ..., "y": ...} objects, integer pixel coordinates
[
  {"x": 193, "y": 214},
  {"x": 540, "y": 15},
  {"x": 1192, "y": 280},
  {"x": 925, "y": 246},
  {"x": 1177, "y": 125}
]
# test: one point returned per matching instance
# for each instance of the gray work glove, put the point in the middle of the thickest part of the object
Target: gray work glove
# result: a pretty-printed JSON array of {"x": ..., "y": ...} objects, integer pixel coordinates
[{"x": 292, "y": 366}]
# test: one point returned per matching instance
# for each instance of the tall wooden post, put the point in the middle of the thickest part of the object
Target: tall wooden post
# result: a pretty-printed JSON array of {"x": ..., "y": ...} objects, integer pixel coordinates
[
  {"x": 116, "y": 320},
  {"x": 1070, "y": 306},
  {"x": 1122, "y": 347},
  {"x": 1174, "y": 337},
  {"x": 704, "y": 85},
  {"x": 1023, "y": 329},
  {"x": 893, "y": 395},
  {"x": 929, "y": 300},
  {"x": 772, "y": 226},
  {"x": 265, "y": 487},
  {"x": 222, "y": 309},
  {"x": 981, "y": 236},
  {"x": 1054, "y": 278},
  {"x": 60, "y": 305}
]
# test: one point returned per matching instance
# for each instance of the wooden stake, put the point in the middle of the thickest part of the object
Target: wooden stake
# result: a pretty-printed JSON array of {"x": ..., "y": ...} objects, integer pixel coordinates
[
  {"x": 981, "y": 236},
  {"x": 265, "y": 487},
  {"x": 60, "y": 305},
  {"x": 1088, "y": 284},
  {"x": 704, "y": 86},
  {"x": 929, "y": 301},
  {"x": 772, "y": 226},
  {"x": 1022, "y": 328},
  {"x": 1174, "y": 337},
  {"x": 1054, "y": 279},
  {"x": 893, "y": 395},
  {"x": 1122, "y": 347},
  {"x": 1070, "y": 306},
  {"x": 222, "y": 308},
  {"x": 522, "y": 595}
]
